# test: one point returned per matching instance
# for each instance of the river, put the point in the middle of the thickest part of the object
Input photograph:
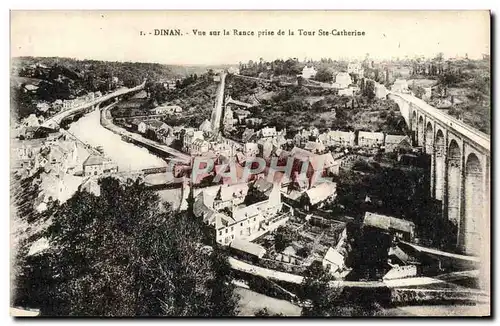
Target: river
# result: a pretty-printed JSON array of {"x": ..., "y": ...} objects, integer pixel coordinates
[{"x": 128, "y": 156}]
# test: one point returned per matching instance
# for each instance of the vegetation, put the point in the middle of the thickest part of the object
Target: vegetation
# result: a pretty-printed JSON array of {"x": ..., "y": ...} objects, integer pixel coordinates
[
  {"x": 123, "y": 254},
  {"x": 325, "y": 300}
]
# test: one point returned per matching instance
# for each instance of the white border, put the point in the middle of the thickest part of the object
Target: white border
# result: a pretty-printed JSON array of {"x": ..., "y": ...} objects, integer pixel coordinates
[{"x": 190, "y": 4}]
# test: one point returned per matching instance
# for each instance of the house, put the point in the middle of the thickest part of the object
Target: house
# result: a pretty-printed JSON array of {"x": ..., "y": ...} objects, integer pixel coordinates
[
  {"x": 189, "y": 136},
  {"x": 199, "y": 146},
  {"x": 395, "y": 142},
  {"x": 233, "y": 70},
  {"x": 267, "y": 132},
  {"x": 43, "y": 107},
  {"x": 248, "y": 248},
  {"x": 241, "y": 115},
  {"x": 98, "y": 165},
  {"x": 315, "y": 147},
  {"x": 31, "y": 121},
  {"x": 166, "y": 109},
  {"x": 316, "y": 196},
  {"x": 231, "y": 219},
  {"x": 141, "y": 126},
  {"x": 229, "y": 121},
  {"x": 155, "y": 125},
  {"x": 370, "y": 139},
  {"x": 316, "y": 165},
  {"x": 338, "y": 138},
  {"x": 206, "y": 126},
  {"x": 29, "y": 88},
  {"x": 380, "y": 91},
  {"x": 355, "y": 68},
  {"x": 253, "y": 121},
  {"x": 251, "y": 149},
  {"x": 400, "y": 86},
  {"x": 399, "y": 228},
  {"x": 308, "y": 72},
  {"x": 342, "y": 80},
  {"x": 333, "y": 261}
]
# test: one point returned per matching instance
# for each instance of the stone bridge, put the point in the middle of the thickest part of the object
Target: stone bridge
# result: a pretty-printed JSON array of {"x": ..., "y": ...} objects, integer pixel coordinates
[
  {"x": 460, "y": 168},
  {"x": 55, "y": 121}
]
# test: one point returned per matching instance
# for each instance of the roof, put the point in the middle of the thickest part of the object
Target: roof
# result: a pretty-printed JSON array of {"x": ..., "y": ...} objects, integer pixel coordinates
[
  {"x": 321, "y": 192},
  {"x": 94, "y": 159},
  {"x": 395, "y": 139},
  {"x": 371, "y": 135},
  {"x": 248, "y": 247},
  {"x": 206, "y": 126},
  {"x": 312, "y": 146},
  {"x": 300, "y": 153},
  {"x": 323, "y": 161},
  {"x": 155, "y": 124},
  {"x": 263, "y": 185},
  {"x": 333, "y": 256},
  {"x": 387, "y": 222}
]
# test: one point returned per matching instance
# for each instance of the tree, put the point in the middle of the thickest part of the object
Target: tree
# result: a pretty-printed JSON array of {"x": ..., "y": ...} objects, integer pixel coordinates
[
  {"x": 324, "y": 75},
  {"x": 124, "y": 254}
]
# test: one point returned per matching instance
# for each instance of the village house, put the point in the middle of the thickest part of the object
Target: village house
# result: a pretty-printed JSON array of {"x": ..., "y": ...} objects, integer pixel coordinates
[
  {"x": 232, "y": 219},
  {"x": 251, "y": 149},
  {"x": 198, "y": 146},
  {"x": 315, "y": 147},
  {"x": 394, "y": 143},
  {"x": 206, "y": 126},
  {"x": 229, "y": 121},
  {"x": 153, "y": 125},
  {"x": 342, "y": 80},
  {"x": 189, "y": 137},
  {"x": 305, "y": 135},
  {"x": 308, "y": 72},
  {"x": 248, "y": 249},
  {"x": 233, "y": 70},
  {"x": 241, "y": 115},
  {"x": 43, "y": 107},
  {"x": 318, "y": 195},
  {"x": 166, "y": 109},
  {"x": 333, "y": 261},
  {"x": 338, "y": 138},
  {"x": 253, "y": 122},
  {"x": 370, "y": 139},
  {"x": 355, "y": 68},
  {"x": 380, "y": 91},
  {"x": 399, "y": 228},
  {"x": 98, "y": 165}
]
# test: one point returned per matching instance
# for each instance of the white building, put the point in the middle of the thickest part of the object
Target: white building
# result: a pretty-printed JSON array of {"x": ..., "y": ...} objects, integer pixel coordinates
[
  {"x": 370, "y": 139},
  {"x": 338, "y": 138},
  {"x": 309, "y": 72},
  {"x": 166, "y": 109},
  {"x": 355, "y": 68},
  {"x": 342, "y": 80},
  {"x": 400, "y": 86},
  {"x": 380, "y": 91},
  {"x": 97, "y": 165}
]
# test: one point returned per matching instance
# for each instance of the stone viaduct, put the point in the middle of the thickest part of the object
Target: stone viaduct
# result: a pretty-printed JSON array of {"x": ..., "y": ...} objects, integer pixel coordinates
[{"x": 460, "y": 169}]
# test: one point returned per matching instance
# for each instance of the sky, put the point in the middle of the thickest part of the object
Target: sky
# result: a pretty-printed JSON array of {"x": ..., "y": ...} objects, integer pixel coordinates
[{"x": 116, "y": 35}]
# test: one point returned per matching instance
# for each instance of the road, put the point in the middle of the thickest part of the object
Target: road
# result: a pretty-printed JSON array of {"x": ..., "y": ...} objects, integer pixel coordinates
[
  {"x": 107, "y": 123},
  {"x": 55, "y": 121}
]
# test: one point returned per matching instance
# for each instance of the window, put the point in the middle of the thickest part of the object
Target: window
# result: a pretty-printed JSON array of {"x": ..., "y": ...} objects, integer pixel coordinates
[
  {"x": 232, "y": 228},
  {"x": 226, "y": 230},
  {"x": 232, "y": 236},
  {"x": 241, "y": 232},
  {"x": 220, "y": 232},
  {"x": 241, "y": 224}
]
